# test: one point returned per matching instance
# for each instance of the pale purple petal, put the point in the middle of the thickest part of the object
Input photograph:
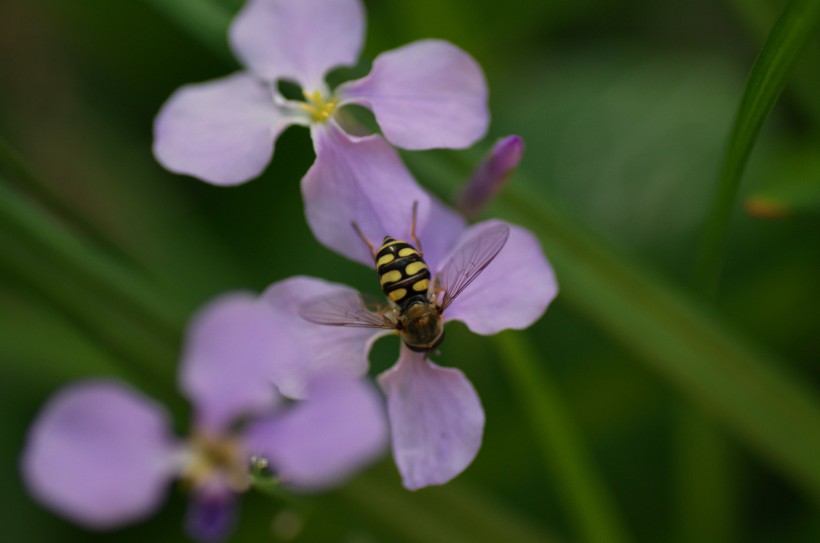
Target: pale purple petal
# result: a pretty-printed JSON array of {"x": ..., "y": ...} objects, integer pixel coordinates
[
  {"x": 315, "y": 348},
  {"x": 436, "y": 420},
  {"x": 512, "y": 292},
  {"x": 443, "y": 228},
  {"x": 100, "y": 454},
  {"x": 299, "y": 40},
  {"x": 212, "y": 514},
  {"x": 426, "y": 94},
  {"x": 230, "y": 359},
  {"x": 221, "y": 131},
  {"x": 339, "y": 429},
  {"x": 491, "y": 175},
  {"x": 362, "y": 180}
]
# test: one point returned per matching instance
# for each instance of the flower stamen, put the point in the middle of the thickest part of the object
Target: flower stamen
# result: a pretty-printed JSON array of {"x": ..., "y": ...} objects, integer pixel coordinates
[
  {"x": 216, "y": 457},
  {"x": 318, "y": 107}
]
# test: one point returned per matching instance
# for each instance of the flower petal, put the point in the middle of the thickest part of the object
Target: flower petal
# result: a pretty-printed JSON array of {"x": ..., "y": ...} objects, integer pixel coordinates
[
  {"x": 230, "y": 359},
  {"x": 100, "y": 454},
  {"x": 299, "y": 40},
  {"x": 221, "y": 131},
  {"x": 491, "y": 175},
  {"x": 512, "y": 292},
  {"x": 361, "y": 180},
  {"x": 426, "y": 94},
  {"x": 315, "y": 348},
  {"x": 435, "y": 417},
  {"x": 340, "y": 428}
]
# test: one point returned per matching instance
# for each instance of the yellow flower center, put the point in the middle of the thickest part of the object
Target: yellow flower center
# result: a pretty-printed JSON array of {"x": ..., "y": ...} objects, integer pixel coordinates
[
  {"x": 216, "y": 456},
  {"x": 319, "y": 107}
]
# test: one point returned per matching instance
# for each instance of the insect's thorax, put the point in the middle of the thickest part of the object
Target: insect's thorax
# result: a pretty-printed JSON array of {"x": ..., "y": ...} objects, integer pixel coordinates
[
  {"x": 422, "y": 327},
  {"x": 403, "y": 274}
]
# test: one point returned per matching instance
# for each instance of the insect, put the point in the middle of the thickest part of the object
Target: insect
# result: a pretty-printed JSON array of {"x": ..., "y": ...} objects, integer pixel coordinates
[{"x": 414, "y": 309}]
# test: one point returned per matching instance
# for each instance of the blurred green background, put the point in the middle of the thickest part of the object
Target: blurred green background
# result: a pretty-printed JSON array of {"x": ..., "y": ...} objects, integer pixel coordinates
[{"x": 601, "y": 425}]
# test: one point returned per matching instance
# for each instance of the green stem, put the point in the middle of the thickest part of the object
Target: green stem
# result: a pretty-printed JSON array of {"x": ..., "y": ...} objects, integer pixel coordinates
[{"x": 565, "y": 455}]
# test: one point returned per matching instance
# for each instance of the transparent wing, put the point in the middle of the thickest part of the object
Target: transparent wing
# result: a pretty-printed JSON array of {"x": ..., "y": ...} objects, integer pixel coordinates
[
  {"x": 346, "y": 309},
  {"x": 469, "y": 261}
]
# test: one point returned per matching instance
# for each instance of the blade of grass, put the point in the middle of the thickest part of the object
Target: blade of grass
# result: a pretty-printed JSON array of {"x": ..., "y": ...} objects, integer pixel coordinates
[
  {"x": 468, "y": 518},
  {"x": 707, "y": 501},
  {"x": 749, "y": 392},
  {"x": 205, "y": 20},
  {"x": 766, "y": 80},
  {"x": 566, "y": 458},
  {"x": 81, "y": 265},
  {"x": 139, "y": 356},
  {"x": 18, "y": 172}
]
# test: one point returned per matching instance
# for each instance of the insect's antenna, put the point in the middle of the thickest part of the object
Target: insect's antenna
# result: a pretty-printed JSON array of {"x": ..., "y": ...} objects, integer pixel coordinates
[
  {"x": 413, "y": 228},
  {"x": 358, "y": 230}
]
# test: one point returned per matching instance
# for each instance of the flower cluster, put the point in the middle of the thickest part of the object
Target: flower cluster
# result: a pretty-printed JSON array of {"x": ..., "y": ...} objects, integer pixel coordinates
[
  {"x": 272, "y": 386},
  {"x": 102, "y": 454},
  {"x": 424, "y": 95}
]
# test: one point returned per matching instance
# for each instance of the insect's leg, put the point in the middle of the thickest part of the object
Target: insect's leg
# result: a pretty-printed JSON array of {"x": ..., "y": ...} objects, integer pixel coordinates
[
  {"x": 364, "y": 238},
  {"x": 436, "y": 291},
  {"x": 413, "y": 228}
]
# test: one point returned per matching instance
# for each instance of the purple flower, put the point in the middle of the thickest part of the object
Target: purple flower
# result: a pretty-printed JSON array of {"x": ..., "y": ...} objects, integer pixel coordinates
[
  {"x": 102, "y": 454},
  {"x": 424, "y": 95},
  {"x": 491, "y": 175},
  {"x": 436, "y": 417}
]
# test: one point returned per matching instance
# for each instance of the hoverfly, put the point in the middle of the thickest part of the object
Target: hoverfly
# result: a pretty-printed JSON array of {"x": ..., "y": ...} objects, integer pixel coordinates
[{"x": 414, "y": 310}]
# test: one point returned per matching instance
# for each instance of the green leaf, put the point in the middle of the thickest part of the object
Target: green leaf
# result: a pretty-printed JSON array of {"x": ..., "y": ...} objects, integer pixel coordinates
[{"x": 766, "y": 80}]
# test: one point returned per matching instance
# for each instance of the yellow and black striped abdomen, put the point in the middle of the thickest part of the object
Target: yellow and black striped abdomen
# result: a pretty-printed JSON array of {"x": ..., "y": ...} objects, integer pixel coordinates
[{"x": 402, "y": 272}]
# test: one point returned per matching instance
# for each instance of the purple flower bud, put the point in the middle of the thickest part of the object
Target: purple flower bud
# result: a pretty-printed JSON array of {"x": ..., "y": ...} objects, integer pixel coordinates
[
  {"x": 491, "y": 175},
  {"x": 211, "y": 515}
]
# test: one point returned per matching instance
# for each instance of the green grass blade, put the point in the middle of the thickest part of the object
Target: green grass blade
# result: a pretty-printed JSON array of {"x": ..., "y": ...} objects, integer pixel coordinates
[
  {"x": 80, "y": 265},
  {"x": 706, "y": 484},
  {"x": 438, "y": 515},
  {"x": 748, "y": 391},
  {"x": 705, "y": 465},
  {"x": 205, "y": 20},
  {"x": 766, "y": 80},
  {"x": 567, "y": 460}
]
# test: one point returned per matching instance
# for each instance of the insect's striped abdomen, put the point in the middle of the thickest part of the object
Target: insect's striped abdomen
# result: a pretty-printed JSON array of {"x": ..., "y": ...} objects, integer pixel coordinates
[{"x": 402, "y": 271}]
